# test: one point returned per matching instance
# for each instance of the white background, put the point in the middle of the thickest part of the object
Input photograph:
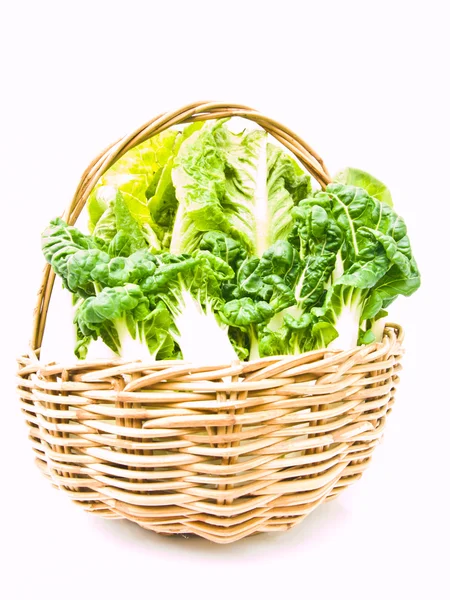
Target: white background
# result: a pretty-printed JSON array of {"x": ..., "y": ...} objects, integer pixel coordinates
[{"x": 366, "y": 83}]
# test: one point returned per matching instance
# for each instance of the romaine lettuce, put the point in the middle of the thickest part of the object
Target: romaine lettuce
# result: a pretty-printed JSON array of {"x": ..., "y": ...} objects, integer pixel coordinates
[
  {"x": 142, "y": 179},
  {"x": 238, "y": 184}
]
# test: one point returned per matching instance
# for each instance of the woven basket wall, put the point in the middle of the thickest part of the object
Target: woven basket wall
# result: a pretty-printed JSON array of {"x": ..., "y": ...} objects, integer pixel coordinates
[{"x": 177, "y": 448}]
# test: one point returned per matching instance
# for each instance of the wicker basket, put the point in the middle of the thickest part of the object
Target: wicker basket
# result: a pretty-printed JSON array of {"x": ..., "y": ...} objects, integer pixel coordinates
[{"x": 174, "y": 447}]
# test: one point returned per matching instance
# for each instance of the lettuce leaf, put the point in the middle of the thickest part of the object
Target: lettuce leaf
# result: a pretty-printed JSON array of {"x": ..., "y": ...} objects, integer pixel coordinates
[
  {"x": 143, "y": 179},
  {"x": 161, "y": 194},
  {"x": 132, "y": 175},
  {"x": 237, "y": 184}
]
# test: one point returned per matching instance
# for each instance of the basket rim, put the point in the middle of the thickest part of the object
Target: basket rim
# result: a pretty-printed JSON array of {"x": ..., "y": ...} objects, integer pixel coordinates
[{"x": 393, "y": 333}]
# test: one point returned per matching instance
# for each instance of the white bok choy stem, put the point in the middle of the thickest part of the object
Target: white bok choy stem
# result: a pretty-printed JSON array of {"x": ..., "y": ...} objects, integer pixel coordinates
[{"x": 200, "y": 337}]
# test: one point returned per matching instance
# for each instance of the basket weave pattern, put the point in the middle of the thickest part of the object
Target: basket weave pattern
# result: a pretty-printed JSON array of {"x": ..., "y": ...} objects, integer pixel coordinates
[{"x": 222, "y": 452}]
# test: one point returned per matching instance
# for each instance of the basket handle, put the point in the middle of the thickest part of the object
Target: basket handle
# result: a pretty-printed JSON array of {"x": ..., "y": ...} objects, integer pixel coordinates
[{"x": 197, "y": 111}]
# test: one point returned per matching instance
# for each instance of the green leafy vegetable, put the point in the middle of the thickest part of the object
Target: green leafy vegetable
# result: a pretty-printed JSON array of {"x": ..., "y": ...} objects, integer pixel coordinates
[
  {"x": 161, "y": 194},
  {"x": 234, "y": 183},
  {"x": 61, "y": 241},
  {"x": 132, "y": 175},
  {"x": 375, "y": 263},
  {"x": 211, "y": 246},
  {"x": 190, "y": 288},
  {"x": 225, "y": 247},
  {"x": 112, "y": 314},
  {"x": 374, "y": 187},
  {"x": 246, "y": 315},
  {"x": 142, "y": 181},
  {"x": 354, "y": 259}
]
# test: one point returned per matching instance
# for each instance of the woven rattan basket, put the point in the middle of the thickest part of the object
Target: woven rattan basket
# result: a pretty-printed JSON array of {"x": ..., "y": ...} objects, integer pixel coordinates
[{"x": 174, "y": 447}]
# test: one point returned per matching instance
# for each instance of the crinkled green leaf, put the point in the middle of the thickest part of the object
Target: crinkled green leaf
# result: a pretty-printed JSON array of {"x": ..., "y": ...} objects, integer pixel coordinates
[
  {"x": 157, "y": 326},
  {"x": 110, "y": 304},
  {"x": 270, "y": 278},
  {"x": 373, "y": 186},
  {"x": 225, "y": 247},
  {"x": 132, "y": 176},
  {"x": 105, "y": 228},
  {"x": 245, "y": 311},
  {"x": 162, "y": 200},
  {"x": 237, "y": 184},
  {"x": 318, "y": 239},
  {"x": 131, "y": 235},
  {"x": 61, "y": 241},
  {"x": 240, "y": 342},
  {"x": 201, "y": 275},
  {"x": 287, "y": 185},
  {"x": 80, "y": 268}
]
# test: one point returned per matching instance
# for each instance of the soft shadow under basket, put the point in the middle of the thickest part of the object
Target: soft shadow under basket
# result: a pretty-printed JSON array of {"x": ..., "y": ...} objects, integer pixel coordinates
[{"x": 174, "y": 447}]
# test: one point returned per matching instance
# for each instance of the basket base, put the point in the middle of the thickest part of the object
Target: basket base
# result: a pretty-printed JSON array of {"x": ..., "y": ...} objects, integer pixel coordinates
[{"x": 232, "y": 529}]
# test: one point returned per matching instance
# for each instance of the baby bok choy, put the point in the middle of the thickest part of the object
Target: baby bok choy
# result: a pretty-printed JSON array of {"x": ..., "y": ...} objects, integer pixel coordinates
[
  {"x": 109, "y": 302},
  {"x": 190, "y": 288}
]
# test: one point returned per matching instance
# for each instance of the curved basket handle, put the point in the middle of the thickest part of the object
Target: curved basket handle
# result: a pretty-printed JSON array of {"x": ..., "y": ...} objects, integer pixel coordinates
[{"x": 197, "y": 111}]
